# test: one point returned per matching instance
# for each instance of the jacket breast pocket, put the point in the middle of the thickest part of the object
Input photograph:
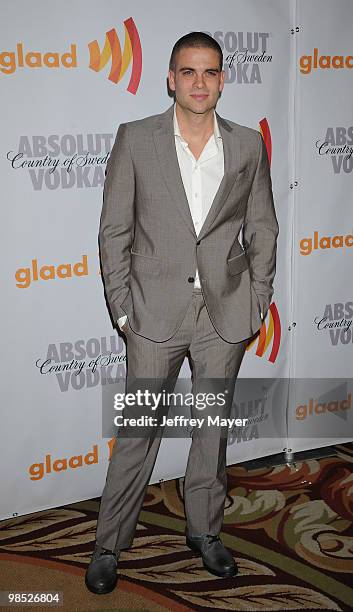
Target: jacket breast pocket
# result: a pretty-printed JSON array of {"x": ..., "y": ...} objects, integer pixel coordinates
[
  {"x": 145, "y": 263},
  {"x": 237, "y": 264}
]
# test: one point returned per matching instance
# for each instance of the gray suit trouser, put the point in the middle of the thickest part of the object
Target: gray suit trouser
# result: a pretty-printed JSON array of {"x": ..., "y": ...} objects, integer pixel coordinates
[{"x": 133, "y": 458}]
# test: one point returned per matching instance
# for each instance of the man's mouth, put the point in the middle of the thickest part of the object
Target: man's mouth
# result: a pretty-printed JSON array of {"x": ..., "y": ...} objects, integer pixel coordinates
[{"x": 199, "y": 96}]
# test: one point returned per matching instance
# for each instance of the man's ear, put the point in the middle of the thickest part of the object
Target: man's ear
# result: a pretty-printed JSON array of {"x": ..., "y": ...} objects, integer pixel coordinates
[{"x": 171, "y": 80}]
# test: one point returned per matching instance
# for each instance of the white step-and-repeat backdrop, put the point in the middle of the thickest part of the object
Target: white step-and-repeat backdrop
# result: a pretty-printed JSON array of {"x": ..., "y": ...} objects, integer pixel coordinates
[{"x": 69, "y": 76}]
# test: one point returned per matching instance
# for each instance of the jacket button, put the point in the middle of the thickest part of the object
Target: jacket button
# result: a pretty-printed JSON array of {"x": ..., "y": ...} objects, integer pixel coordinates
[
  {"x": 198, "y": 242},
  {"x": 191, "y": 279}
]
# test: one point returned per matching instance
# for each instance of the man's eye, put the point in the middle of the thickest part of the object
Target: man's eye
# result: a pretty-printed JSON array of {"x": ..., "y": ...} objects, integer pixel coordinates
[{"x": 211, "y": 73}]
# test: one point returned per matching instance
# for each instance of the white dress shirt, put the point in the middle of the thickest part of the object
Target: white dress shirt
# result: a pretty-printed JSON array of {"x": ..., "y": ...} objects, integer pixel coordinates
[{"x": 201, "y": 178}]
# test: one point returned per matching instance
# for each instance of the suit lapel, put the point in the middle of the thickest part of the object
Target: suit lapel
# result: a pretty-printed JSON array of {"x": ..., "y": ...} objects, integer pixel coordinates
[
  {"x": 231, "y": 152},
  {"x": 168, "y": 160}
]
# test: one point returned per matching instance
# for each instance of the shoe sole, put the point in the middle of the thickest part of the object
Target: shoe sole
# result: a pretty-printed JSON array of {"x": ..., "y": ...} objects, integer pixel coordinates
[{"x": 228, "y": 574}]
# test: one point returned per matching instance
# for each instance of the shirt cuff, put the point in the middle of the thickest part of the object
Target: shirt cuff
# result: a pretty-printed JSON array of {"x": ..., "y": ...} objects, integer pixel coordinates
[{"x": 121, "y": 321}]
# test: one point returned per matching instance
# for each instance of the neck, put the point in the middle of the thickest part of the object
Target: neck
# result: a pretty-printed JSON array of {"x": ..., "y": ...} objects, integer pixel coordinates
[{"x": 195, "y": 126}]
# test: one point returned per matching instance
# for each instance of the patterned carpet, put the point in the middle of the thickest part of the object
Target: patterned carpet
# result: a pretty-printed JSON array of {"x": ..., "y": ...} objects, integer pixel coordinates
[{"x": 290, "y": 529}]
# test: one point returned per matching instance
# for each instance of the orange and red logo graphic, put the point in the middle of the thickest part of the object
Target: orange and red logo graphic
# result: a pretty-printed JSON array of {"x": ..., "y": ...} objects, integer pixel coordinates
[
  {"x": 266, "y": 135},
  {"x": 119, "y": 60},
  {"x": 269, "y": 334},
  {"x": 273, "y": 331}
]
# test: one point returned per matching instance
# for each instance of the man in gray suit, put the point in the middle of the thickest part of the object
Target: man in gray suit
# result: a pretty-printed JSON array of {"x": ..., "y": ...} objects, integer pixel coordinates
[{"x": 181, "y": 188}]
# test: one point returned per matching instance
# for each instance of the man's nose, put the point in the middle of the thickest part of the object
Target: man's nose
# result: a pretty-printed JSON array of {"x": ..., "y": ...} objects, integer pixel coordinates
[{"x": 199, "y": 80}]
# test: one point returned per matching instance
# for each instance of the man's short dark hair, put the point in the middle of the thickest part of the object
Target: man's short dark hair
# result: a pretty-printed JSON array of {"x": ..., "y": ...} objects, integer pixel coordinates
[{"x": 195, "y": 39}]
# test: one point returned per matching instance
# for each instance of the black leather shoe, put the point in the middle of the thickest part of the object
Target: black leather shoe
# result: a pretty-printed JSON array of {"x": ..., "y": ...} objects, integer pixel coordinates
[
  {"x": 216, "y": 559},
  {"x": 101, "y": 576}
]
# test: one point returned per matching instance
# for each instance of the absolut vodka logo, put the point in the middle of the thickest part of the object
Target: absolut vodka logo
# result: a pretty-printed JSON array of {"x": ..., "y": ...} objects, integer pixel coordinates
[
  {"x": 337, "y": 321},
  {"x": 84, "y": 364},
  {"x": 245, "y": 54},
  {"x": 62, "y": 162},
  {"x": 337, "y": 145}
]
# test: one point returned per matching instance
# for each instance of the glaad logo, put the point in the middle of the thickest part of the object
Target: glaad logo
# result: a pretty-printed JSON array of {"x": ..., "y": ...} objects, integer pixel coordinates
[
  {"x": 25, "y": 276},
  {"x": 38, "y": 470},
  {"x": 308, "y": 245},
  {"x": 10, "y": 61},
  {"x": 337, "y": 320},
  {"x": 317, "y": 407},
  {"x": 84, "y": 364},
  {"x": 66, "y": 161},
  {"x": 119, "y": 61},
  {"x": 53, "y": 465},
  {"x": 307, "y": 63},
  {"x": 336, "y": 145},
  {"x": 244, "y": 53}
]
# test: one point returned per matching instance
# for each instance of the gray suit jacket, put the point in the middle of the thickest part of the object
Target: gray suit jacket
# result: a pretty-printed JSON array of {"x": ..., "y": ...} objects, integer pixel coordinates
[{"x": 148, "y": 245}]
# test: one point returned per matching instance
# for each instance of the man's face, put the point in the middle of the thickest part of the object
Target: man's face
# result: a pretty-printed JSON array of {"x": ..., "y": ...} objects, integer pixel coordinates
[{"x": 197, "y": 79}]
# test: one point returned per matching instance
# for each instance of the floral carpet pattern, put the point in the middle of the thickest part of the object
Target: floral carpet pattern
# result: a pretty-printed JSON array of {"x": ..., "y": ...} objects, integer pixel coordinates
[{"x": 290, "y": 529}]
